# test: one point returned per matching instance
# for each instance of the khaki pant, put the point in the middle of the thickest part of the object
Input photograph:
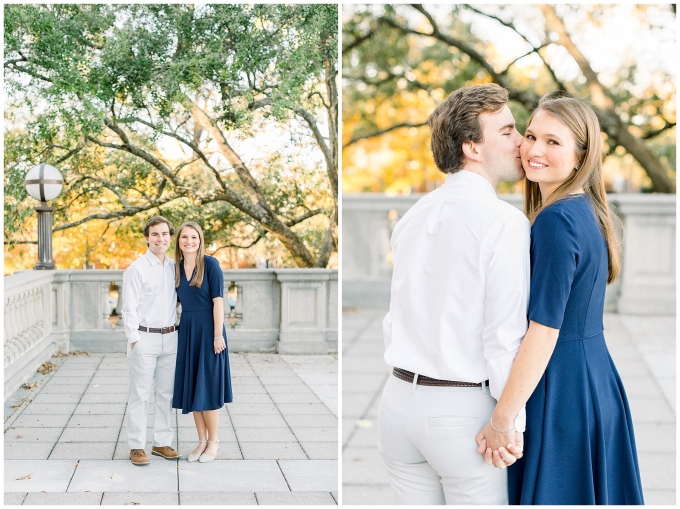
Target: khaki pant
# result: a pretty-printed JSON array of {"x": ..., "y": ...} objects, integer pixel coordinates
[
  {"x": 152, "y": 362},
  {"x": 427, "y": 441}
]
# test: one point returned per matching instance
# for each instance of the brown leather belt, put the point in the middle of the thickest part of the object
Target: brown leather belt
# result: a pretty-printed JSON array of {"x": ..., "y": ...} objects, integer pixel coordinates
[
  {"x": 164, "y": 330},
  {"x": 407, "y": 376}
]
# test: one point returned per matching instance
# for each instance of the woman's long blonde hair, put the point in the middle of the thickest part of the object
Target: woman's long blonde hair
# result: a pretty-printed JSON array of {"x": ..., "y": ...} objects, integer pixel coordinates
[
  {"x": 582, "y": 121},
  {"x": 197, "y": 279}
]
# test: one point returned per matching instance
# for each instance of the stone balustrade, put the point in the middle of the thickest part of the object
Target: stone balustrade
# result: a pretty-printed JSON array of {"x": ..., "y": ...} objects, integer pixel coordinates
[
  {"x": 28, "y": 326},
  {"x": 647, "y": 281},
  {"x": 274, "y": 310}
]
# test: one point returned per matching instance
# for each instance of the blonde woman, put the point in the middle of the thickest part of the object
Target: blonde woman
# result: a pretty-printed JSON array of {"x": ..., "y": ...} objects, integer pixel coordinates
[
  {"x": 202, "y": 378},
  {"x": 579, "y": 445}
]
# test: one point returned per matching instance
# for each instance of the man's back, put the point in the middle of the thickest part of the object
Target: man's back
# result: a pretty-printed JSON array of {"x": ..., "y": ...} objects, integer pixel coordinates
[{"x": 460, "y": 283}]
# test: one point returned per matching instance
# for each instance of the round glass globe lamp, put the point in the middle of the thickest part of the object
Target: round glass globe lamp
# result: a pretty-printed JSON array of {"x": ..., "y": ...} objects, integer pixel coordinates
[{"x": 44, "y": 182}]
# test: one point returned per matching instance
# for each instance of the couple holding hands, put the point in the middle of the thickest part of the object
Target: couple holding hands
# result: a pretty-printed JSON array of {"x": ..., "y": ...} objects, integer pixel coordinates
[
  {"x": 496, "y": 318},
  {"x": 188, "y": 365}
]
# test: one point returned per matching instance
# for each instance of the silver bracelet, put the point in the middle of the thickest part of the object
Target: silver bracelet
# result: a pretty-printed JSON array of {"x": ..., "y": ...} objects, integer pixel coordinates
[{"x": 498, "y": 430}]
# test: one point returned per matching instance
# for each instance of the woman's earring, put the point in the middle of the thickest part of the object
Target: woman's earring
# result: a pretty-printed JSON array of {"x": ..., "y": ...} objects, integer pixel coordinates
[{"x": 578, "y": 167}]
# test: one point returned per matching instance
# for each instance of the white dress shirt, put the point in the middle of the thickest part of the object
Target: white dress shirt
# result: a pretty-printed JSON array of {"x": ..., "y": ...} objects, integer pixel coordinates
[
  {"x": 149, "y": 296},
  {"x": 460, "y": 286}
]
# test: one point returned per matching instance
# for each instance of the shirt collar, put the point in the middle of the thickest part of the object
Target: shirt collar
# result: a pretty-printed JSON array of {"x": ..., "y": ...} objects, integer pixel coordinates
[
  {"x": 470, "y": 181},
  {"x": 152, "y": 258}
]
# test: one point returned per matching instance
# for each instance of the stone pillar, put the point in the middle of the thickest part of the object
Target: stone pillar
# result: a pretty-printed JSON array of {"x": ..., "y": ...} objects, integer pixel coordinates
[
  {"x": 304, "y": 310},
  {"x": 648, "y": 275},
  {"x": 44, "y": 238},
  {"x": 257, "y": 309}
]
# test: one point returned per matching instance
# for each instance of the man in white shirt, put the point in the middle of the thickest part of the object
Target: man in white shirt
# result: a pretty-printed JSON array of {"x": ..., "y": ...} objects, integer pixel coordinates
[
  {"x": 149, "y": 315},
  {"x": 458, "y": 310}
]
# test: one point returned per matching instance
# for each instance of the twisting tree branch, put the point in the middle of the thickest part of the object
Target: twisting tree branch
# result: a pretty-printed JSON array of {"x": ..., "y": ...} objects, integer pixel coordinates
[{"x": 382, "y": 131}]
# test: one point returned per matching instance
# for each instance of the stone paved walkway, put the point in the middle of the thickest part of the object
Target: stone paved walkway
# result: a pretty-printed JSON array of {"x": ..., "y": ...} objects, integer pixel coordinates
[
  {"x": 67, "y": 444},
  {"x": 643, "y": 349}
]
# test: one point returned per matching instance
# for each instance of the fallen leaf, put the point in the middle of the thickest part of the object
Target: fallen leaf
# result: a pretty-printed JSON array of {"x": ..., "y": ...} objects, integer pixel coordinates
[
  {"x": 24, "y": 477},
  {"x": 47, "y": 368},
  {"x": 95, "y": 385},
  {"x": 19, "y": 435}
]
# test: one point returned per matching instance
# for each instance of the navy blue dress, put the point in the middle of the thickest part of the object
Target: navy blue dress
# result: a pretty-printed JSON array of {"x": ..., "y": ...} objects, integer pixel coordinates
[
  {"x": 579, "y": 446},
  {"x": 202, "y": 379}
]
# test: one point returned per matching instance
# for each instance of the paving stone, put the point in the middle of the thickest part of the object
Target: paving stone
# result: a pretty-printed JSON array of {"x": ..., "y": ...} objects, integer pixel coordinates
[
  {"x": 354, "y": 406},
  {"x": 253, "y": 409},
  {"x": 289, "y": 389},
  {"x": 106, "y": 380},
  {"x": 245, "y": 380},
  {"x": 258, "y": 421},
  {"x": 272, "y": 451},
  {"x": 32, "y": 435},
  {"x": 116, "y": 397},
  {"x": 63, "y": 389},
  {"x": 310, "y": 475},
  {"x": 238, "y": 476},
  {"x": 366, "y": 383},
  {"x": 660, "y": 497},
  {"x": 296, "y": 498},
  {"x": 24, "y": 451},
  {"x": 70, "y": 380},
  {"x": 83, "y": 451},
  {"x": 36, "y": 475},
  {"x": 90, "y": 435},
  {"x": 654, "y": 437},
  {"x": 366, "y": 495},
  {"x": 57, "y": 398},
  {"x": 67, "y": 498},
  {"x": 241, "y": 390},
  {"x": 14, "y": 498},
  {"x": 304, "y": 434},
  {"x": 100, "y": 409},
  {"x": 122, "y": 476},
  {"x": 280, "y": 380},
  {"x": 365, "y": 437},
  {"x": 254, "y": 398},
  {"x": 657, "y": 470},
  {"x": 295, "y": 398},
  {"x": 650, "y": 410},
  {"x": 348, "y": 426},
  {"x": 363, "y": 466},
  {"x": 265, "y": 435},
  {"x": 107, "y": 389},
  {"x": 50, "y": 409},
  {"x": 41, "y": 421},
  {"x": 157, "y": 498},
  {"x": 320, "y": 450},
  {"x": 202, "y": 498},
  {"x": 95, "y": 421},
  {"x": 303, "y": 409},
  {"x": 311, "y": 421}
]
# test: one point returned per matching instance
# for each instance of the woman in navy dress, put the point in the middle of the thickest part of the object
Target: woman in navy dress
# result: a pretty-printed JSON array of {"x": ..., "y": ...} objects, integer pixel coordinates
[
  {"x": 202, "y": 378},
  {"x": 579, "y": 446}
]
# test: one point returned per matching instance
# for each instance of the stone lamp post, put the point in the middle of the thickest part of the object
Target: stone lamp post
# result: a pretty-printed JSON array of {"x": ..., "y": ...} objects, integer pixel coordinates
[{"x": 44, "y": 183}]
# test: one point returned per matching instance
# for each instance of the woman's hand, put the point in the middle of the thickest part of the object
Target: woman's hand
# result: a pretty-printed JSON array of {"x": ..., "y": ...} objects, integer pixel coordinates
[
  {"x": 219, "y": 345},
  {"x": 500, "y": 449}
]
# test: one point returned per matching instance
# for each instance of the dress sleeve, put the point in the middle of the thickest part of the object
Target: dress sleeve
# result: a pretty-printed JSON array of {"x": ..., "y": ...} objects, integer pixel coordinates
[
  {"x": 554, "y": 257},
  {"x": 215, "y": 277}
]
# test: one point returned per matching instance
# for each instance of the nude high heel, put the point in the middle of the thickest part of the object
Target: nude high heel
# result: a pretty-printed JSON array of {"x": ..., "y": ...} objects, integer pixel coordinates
[
  {"x": 195, "y": 457},
  {"x": 206, "y": 458}
]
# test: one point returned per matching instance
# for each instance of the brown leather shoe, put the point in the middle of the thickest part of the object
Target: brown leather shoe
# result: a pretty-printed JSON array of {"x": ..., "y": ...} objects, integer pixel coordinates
[
  {"x": 167, "y": 452},
  {"x": 138, "y": 457}
]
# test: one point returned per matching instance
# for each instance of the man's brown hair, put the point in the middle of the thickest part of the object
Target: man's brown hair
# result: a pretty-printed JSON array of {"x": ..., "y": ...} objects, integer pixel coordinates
[
  {"x": 158, "y": 220},
  {"x": 456, "y": 121}
]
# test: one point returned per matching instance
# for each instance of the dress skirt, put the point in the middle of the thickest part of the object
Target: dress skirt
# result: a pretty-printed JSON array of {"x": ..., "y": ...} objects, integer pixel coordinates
[{"x": 579, "y": 446}]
